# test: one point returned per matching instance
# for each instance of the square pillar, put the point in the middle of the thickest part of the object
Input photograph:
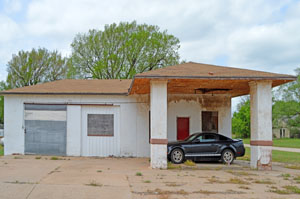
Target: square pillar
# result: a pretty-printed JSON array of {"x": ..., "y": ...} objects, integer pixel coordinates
[
  {"x": 261, "y": 124},
  {"x": 158, "y": 108}
]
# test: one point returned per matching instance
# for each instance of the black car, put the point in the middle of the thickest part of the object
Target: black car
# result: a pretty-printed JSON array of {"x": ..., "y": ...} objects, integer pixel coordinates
[{"x": 206, "y": 146}]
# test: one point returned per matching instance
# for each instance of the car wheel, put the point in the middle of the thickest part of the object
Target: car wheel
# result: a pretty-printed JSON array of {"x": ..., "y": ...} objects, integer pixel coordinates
[
  {"x": 227, "y": 156},
  {"x": 177, "y": 156}
]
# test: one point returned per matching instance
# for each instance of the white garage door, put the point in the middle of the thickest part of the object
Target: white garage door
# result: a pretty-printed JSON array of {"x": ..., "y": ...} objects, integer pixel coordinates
[{"x": 100, "y": 131}]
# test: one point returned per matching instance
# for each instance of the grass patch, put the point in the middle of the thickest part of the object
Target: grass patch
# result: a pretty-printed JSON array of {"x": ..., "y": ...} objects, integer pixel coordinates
[
  {"x": 263, "y": 182},
  {"x": 173, "y": 166},
  {"x": 237, "y": 181},
  {"x": 55, "y": 158},
  {"x": 1, "y": 150},
  {"x": 94, "y": 184},
  {"x": 293, "y": 166},
  {"x": 240, "y": 173},
  {"x": 190, "y": 163},
  {"x": 38, "y": 157},
  {"x": 285, "y": 175},
  {"x": 230, "y": 181},
  {"x": 147, "y": 181},
  {"x": 282, "y": 142},
  {"x": 277, "y": 156},
  {"x": 99, "y": 171},
  {"x": 139, "y": 174},
  {"x": 286, "y": 190},
  {"x": 18, "y": 157},
  {"x": 206, "y": 192}
]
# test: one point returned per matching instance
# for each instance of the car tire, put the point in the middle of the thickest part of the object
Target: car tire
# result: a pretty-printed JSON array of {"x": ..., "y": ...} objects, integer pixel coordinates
[
  {"x": 177, "y": 156},
  {"x": 227, "y": 156}
]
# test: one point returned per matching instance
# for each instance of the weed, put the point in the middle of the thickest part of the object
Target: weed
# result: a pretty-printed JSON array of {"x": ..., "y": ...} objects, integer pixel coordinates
[
  {"x": 263, "y": 182},
  {"x": 173, "y": 166},
  {"x": 173, "y": 184},
  {"x": 17, "y": 157},
  {"x": 99, "y": 171},
  {"x": 55, "y": 158},
  {"x": 292, "y": 189},
  {"x": 293, "y": 166},
  {"x": 139, "y": 174},
  {"x": 285, "y": 175},
  {"x": 240, "y": 173},
  {"x": 147, "y": 181},
  {"x": 190, "y": 163},
  {"x": 206, "y": 192},
  {"x": 38, "y": 157},
  {"x": 244, "y": 187},
  {"x": 237, "y": 181},
  {"x": 94, "y": 184}
]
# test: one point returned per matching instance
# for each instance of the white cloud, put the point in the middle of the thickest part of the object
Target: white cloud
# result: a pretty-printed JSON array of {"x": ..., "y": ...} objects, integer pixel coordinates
[{"x": 255, "y": 34}]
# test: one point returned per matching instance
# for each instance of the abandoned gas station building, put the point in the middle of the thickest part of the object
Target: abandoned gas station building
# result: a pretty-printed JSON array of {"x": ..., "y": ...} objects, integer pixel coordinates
[{"x": 136, "y": 118}]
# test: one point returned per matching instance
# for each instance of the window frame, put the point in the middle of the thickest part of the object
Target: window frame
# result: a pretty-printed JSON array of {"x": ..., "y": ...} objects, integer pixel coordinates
[{"x": 101, "y": 135}]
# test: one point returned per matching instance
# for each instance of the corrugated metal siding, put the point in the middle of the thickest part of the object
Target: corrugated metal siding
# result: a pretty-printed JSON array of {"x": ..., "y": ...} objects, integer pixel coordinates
[{"x": 100, "y": 145}]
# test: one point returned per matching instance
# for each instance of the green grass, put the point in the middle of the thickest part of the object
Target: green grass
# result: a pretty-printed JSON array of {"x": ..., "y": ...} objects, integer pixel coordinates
[
  {"x": 277, "y": 156},
  {"x": 283, "y": 142},
  {"x": 1, "y": 150}
]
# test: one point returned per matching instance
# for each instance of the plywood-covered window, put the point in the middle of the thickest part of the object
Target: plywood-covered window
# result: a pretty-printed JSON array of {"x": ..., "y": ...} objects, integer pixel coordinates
[
  {"x": 100, "y": 125},
  {"x": 210, "y": 121}
]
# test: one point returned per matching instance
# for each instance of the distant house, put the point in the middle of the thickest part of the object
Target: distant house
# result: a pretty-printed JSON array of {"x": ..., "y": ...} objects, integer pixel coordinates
[
  {"x": 137, "y": 117},
  {"x": 281, "y": 132}
]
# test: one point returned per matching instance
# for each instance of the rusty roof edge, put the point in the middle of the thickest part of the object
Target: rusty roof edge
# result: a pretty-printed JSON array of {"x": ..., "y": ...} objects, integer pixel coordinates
[
  {"x": 288, "y": 77},
  {"x": 131, "y": 85}
]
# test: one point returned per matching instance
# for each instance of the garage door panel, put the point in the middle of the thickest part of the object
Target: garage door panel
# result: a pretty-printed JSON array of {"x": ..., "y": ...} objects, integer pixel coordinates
[{"x": 45, "y": 130}]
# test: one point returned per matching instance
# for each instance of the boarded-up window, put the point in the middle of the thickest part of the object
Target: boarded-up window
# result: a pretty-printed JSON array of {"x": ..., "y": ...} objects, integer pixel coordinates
[
  {"x": 210, "y": 121},
  {"x": 100, "y": 125}
]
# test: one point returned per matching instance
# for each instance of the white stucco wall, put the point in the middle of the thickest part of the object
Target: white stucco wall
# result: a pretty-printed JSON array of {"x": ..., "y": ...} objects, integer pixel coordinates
[
  {"x": 134, "y": 118},
  {"x": 134, "y": 127},
  {"x": 192, "y": 105}
]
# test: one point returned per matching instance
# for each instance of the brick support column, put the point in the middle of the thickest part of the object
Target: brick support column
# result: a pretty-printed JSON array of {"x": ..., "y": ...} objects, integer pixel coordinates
[{"x": 261, "y": 124}]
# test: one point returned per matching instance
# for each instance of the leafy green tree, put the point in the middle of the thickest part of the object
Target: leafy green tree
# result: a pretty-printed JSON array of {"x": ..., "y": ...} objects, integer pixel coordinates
[
  {"x": 35, "y": 66},
  {"x": 286, "y": 107},
  {"x": 121, "y": 51},
  {"x": 241, "y": 119}
]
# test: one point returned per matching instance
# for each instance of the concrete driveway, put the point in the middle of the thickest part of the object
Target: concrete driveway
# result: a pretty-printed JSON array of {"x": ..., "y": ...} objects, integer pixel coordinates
[{"x": 28, "y": 177}]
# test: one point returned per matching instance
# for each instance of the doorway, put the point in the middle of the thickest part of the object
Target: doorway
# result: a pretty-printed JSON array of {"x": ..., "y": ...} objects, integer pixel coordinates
[{"x": 183, "y": 127}]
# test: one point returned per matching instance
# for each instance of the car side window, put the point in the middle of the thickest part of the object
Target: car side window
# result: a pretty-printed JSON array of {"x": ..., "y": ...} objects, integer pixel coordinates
[
  {"x": 206, "y": 138},
  {"x": 209, "y": 138}
]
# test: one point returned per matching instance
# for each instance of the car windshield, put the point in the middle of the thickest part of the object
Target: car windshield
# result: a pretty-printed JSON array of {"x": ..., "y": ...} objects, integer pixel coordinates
[{"x": 191, "y": 137}]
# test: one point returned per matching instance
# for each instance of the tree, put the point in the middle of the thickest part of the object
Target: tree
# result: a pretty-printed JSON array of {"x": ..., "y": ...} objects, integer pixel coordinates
[
  {"x": 241, "y": 119},
  {"x": 286, "y": 107},
  {"x": 121, "y": 51},
  {"x": 35, "y": 66}
]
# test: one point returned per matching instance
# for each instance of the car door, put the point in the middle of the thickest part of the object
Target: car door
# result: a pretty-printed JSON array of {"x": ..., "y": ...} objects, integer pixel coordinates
[{"x": 203, "y": 145}]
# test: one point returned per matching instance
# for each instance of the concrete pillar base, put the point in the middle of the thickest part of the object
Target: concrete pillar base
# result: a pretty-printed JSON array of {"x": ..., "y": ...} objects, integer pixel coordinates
[
  {"x": 261, "y": 157},
  {"x": 158, "y": 156}
]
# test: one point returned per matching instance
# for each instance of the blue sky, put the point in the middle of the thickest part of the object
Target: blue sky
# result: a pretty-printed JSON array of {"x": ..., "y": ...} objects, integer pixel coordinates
[{"x": 256, "y": 34}]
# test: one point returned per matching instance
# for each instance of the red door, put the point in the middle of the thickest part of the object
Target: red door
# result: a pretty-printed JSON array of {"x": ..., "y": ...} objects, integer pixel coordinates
[{"x": 183, "y": 127}]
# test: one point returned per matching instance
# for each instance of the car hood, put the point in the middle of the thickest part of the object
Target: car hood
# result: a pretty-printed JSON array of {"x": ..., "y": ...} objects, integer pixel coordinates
[{"x": 177, "y": 143}]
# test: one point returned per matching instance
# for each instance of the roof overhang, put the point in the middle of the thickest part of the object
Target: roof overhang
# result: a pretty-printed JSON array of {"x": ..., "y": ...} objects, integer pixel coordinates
[{"x": 235, "y": 86}]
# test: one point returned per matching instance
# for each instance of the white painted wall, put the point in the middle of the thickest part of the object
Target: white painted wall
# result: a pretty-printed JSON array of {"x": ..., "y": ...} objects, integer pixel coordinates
[
  {"x": 74, "y": 130},
  {"x": 134, "y": 118},
  {"x": 134, "y": 133},
  {"x": 192, "y": 105},
  {"x": 101, "y": 146}
]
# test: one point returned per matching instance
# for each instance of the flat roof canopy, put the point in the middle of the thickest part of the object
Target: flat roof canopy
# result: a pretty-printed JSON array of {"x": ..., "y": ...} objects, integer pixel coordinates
[{"x": 195, "y": 78}]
